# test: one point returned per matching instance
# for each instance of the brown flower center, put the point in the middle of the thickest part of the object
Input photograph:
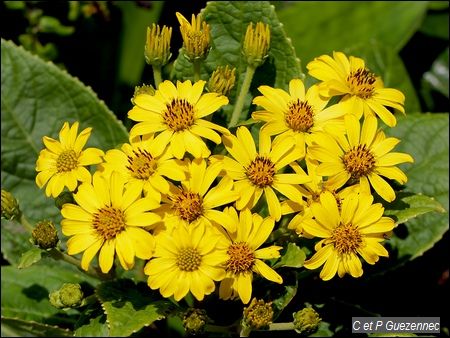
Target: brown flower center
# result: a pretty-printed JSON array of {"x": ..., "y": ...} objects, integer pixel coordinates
[
  {"x": 66, "y": 161},
  {"x": 109, "y": 222},
  {"x": 188, "y": 205},
  {"x": 142, "y": 165},
  {"x": 179, "y": 114},
  {"x": 242, "y": 258},
  {"x": 361, "y": 83},
  {"x": 346, "y": 238},
  {"x": 299, "y": 116},
  {"x": 261, "y": 171},
  {"x": 359, "y": 161},
  {"x": 188, "y": 259}
]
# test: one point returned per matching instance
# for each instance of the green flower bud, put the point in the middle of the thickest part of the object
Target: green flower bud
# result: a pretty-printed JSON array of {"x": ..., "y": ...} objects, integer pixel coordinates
[
  {"x": 256, "y": 44},
  {"x": 194, "y": 321},
  {"x": 68, "y": 296},
  {"x": 258, "y": 315},
  {"x": 157, "y": 46},
  {"x": 144, "y": 89},
  {"x": 64, "y": 197},
  {"x": 45, "y": 235},
  {"x": 10, "y": 207},
  {"x": 222, "y": 80},
  {"x": 306, "y": 321}
]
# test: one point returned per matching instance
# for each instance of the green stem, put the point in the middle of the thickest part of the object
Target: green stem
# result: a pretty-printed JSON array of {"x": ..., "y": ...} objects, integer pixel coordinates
[
  {"x": 250, "y": 71},
  {"x": 281, "y": 326},
  {"x": 25, "y": 223},
  {"x": 157, "y": 75},
  {"x": 196, "y": 65}
]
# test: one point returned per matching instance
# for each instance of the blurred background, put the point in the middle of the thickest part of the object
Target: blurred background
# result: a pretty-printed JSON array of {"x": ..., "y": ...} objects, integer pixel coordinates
[{"x": 102, "y": 44}]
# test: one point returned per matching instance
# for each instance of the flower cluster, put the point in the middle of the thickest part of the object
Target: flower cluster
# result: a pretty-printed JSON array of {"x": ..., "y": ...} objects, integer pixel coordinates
[{"x": 199, "y": 201}]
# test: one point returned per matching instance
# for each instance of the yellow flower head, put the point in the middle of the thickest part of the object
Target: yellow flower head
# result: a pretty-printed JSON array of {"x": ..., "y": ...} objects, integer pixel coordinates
[
  {"x": 111, "y": 219},
  {"x": 244, "y": 256},
  {"x": 362, "y": 156},
  {"x": 194, "y": 202},
  {"x": 222, "y": 80},
  {"x": 196, "y": 37},
  {"x": 357, "y": 228},
  {"x": 63, "y": 162},
  {"x": 298, "y": 113},
  {"x": 157, "y": 46},
  {"x": 175, "y": 113},
  {"x": 145, "y": 166},
  {"x": 186, "y": 260},
  {"x": 256, "y": 43},
  {"x": 362, "y": 91},
  {"x": 256, "y": 173}
]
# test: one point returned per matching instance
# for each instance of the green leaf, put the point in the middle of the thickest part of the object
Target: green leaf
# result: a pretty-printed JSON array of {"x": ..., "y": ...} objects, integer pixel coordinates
[
  {"x": 50, "y": 24},
  {"x": 228, "y": 21},
  {"x": 436, "y": 24},
  {"x": 436, "y": 78},
  {"x": 14, "y": 327},
  {"x": 15, "y": 241},
  {"x": 323, "y": 330},
  {"x": 425, "y": 137},
  {"x": 318, "y": 28},
  {"x": 130, "y": 307},
  {"x": 36, "y": 99},
  {"x": 407, "y": 206},
  {"x": 293, "y": 258},
  {"x": 92, "y": 323},
  {"x": 30, "y": 257}
]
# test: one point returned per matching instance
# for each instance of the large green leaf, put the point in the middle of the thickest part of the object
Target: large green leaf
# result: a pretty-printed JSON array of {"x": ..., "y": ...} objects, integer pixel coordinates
[
  {"x": 37, "y": 98},
  {"x": 425, "y": 137},
  {"x": 229, "y": 21},
  {"x": 130, "y": 307},
  {"x": 318, "y": 28},
  {"x": 13, "y": 327},
  {"x": 15, "y": 241}
]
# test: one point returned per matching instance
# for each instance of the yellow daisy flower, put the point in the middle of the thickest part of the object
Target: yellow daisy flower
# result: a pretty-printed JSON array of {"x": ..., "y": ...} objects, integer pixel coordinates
[
  {"x": 256, "y": 173},
  {"x": 194, "y": 201},
  {"x": 363, "y": 156},
  {"x": 62, "y": 163},
  {"x": 362, "y": 91},
  {"x": 243, "y": 256},
  {"x": 144, "y": 166},
  {"x": 357, "y": 227},
  {"x": 297, "y": 113},
  {"x": 186, "y": 260},
  {"x": 109, "y": 219},
  {"x": 175, "y": 114}
]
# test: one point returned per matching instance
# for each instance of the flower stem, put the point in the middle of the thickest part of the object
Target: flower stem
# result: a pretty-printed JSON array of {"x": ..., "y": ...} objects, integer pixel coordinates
[
  {"x": 250, "y": 71},
  {"x": 196, "y": 65},
  {"x": 157, "y": 75},
  {"x": 23, "y": 220},
  {"x": 281, "y": 326}
]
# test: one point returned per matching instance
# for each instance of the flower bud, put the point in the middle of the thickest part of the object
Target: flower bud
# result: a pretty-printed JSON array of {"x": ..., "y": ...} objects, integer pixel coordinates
[
  {"x": 45, "y": 235},
  {"x": 222, "y": 80},
  {"x": 69, "y": 295},
  {"x": 144, "y": 89},
  {"x": 157, "y": 46},
  {"x": 194, "y": 321},
  {"x": 196, "y": 37},
  {"x": 258, "y": 315},
  {"x": 306, "y": 321},
  {"x": 63, "y": 198},
  {"x": 256, "y": 44},
  {"x": 10, "y": 207}
]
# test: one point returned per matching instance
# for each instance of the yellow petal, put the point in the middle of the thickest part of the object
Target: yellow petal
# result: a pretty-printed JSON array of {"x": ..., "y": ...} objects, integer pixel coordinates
[
  {"x": 106, "y": 256},
  {"x": 264, "y": 270}
]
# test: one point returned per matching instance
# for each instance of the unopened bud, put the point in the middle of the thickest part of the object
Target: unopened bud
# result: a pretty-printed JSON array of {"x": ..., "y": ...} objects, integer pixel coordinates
[
  {"x": 157, "y": 46},
  {"x": 196, "y": 37},
  {"x": 69, "y": 295},
  {"x": 144, "y": 89},
  {"x": 258, "y": 315},
  {"x": 222, "y": 80},
  {"x": 194, "y": 321},
  {"x": 306, "y": 321},
  {"x": 45, "y": 235},
  {"x": 10, "y": 206},
  {"x": 63, "y": 198},
  {"x": 256, "y": 44}
]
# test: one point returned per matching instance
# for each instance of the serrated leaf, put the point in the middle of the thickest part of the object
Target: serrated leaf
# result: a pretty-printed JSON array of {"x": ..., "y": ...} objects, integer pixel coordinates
[
  {"x": 292, "y": 258},
  {"x": 30, "y": 257},
  {"x": 14, "y": 327},
  {"x": 425, "y": 137},
  {"x": 92, "y": 323},
  {"x": 36, "y": 99},
  {"x": 129, "y": 306},
  {"x": 407, "y": 206},
  {"x": 15, "y": 241}
]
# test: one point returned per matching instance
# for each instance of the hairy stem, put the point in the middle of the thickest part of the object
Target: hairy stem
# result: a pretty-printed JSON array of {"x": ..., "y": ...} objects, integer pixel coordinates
[
  {"x": 250, "y": 71},
  {"x": 157, "y": 75}
]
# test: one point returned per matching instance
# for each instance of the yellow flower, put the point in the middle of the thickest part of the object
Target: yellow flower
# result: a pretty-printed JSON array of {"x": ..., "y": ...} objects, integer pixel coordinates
[
  {"x": 144, "y": 165},
  {"x": 243, "y": 256},
  {"x": 63, "y": 162},
  {"x": 362, "y": 91},
  {"x": 357, "y": 227},
  {"x": 196, "y": 37},
  {"x": 362, "y": 156},
  {"x": 111, "y": 219},
  {"x": 186, "y": 260},
  {"x": 194, "y": 202},
  {"x": 256, "y": 43},
  {"x": 296, "y": 113},
  {"x": 256, "y": 173},
  {"x": 176, "y": 113}
]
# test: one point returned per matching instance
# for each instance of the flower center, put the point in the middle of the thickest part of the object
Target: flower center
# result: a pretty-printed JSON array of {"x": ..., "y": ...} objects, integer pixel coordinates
[
  {"x": 242, "y": 258},
  {"x": 142, "y": 165},
  {"x": 188, "y": 205},
  {"x": 361, "y": 82},
  {"x": 188, "y": 259},
  {"x": 109, "y": 222},
  {"x": 299, "y": 116},
  {"x": 359, "y": 161},
  {"x": 179, "y": 114},
  {"x": 261, "y": 171},
  {"x": 346, "y": 238},
  {"x": 67, "y": 161}
]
